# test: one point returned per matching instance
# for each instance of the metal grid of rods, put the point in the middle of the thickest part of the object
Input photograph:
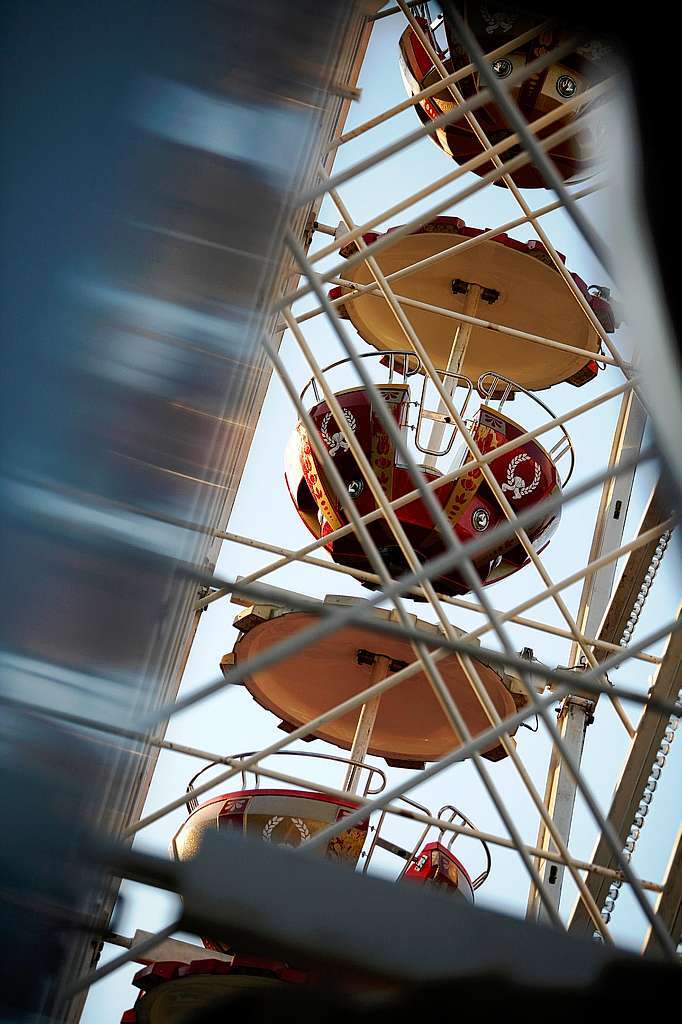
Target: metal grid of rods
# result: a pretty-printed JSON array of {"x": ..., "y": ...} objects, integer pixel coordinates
[{"x": 597, "y": 655}]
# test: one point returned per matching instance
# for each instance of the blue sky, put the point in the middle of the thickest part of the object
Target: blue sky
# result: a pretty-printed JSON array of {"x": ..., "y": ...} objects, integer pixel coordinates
[{"x": 231, "y": 721}]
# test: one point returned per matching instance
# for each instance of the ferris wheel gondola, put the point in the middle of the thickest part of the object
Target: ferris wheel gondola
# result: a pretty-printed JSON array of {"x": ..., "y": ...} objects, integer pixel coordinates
[
  {"x": 536, "y": 94},
  {"x": 528, "y": 472}
]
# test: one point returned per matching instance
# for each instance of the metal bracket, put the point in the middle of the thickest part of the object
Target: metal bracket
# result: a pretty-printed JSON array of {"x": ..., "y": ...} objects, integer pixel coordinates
[
  {"x": 364, "y": 657},
  {"x": 460, "y": 287}
]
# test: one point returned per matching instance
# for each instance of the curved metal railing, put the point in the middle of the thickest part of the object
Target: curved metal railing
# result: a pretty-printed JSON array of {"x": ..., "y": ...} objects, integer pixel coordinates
[
  {"x": 454, "y": 815},
  {"x": 370, "y": 789},
  {"x": 390, "y": 360}
]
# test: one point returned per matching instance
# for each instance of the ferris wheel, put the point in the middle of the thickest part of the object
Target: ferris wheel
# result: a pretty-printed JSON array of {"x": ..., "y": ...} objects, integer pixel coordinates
[
  {"x": 460, "y": 441},
  {"x": 430, "y": 465}
]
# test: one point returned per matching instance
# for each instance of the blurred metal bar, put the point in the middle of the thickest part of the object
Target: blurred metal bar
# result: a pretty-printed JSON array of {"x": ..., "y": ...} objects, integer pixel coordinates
[
  {"x": 519, "y": 124},
  {"x": 151, "y": 941},
  {"x": 462, "y": 246},
  {"x": 310, "y": 911},
  {"x": 140, "y": 150},
  {"x": 410, "y": 101}
]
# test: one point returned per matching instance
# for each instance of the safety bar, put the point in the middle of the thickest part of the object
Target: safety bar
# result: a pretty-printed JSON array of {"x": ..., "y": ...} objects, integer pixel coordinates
[
  {"x": 192, "y": 803},
  {"x": 456, "y": 813},
  {"x": 441, "y": 416},
  {"x": 376, "y": 840},
  {"x": 390, "y": 359}
]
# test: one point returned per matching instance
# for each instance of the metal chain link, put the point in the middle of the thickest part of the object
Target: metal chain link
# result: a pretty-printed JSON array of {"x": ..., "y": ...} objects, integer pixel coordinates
[
  {"x": 645, "y": 588},
  {"x": 663, "y": 748}
]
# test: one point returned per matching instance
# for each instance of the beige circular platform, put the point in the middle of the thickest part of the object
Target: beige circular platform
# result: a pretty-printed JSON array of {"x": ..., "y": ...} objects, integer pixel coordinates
[
  {"x": 410, "y": 725},
  {"x": 533, "y": 298}
]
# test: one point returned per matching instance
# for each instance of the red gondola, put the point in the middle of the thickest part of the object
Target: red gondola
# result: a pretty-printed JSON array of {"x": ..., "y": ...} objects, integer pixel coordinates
[
  {"x": 173, "y": 992},
  {"x": 285, "y": 817},
  {"x": 527, "y": 474},
  {"x": 538, "y": 94}
]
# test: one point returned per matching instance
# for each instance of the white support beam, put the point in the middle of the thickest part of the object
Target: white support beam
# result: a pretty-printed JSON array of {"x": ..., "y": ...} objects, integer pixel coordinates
[
  {"x": 633, "y": 776},
  {"x": 577, "y": 711},
  {"x": 613, "y": 510}
]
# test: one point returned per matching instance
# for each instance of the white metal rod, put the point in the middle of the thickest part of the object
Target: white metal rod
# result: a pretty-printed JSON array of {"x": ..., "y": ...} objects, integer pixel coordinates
[
  {"x": 385, "y": 241},
  {"x": 350, "y": 615},
  {"x": 320, "y": 787},
  {"x": 456, "y": 602},
  {"x": 611, "y": 556},
  {"x": 456, "y": 114},
  {"x": 608, "y": 530},
  {"x": 128, "y": 955},
  {"x": 539, "y": 152},
  {"x": 424, "y": 94},
  {"x": 461, "y": 247},
  {"x": 509, "y": 142},
  {"x": 441, "y": 691},
  {"x": 432, "y": 674},
  {"x": 458, "y": 351},
  {"x": 390, "y": 426},
  {"x": 518, "y": 123},
  {"x": 420, "y": 350},
  {"x": 590, "y": 681}
]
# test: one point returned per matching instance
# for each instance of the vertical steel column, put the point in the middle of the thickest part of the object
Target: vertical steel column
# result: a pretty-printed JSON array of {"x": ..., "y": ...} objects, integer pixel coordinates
[
  {"x": 577, "y": 711},
  {"x": 574, "y": 717}
]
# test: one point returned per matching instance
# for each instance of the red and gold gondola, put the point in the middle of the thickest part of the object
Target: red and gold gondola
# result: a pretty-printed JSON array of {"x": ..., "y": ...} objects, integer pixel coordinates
[
  {"x": 538, "y": 94},
  {"x": 528, "y": 475},
  {"x": 172, "y": 991},
  {"x": 288, "y": 817}
]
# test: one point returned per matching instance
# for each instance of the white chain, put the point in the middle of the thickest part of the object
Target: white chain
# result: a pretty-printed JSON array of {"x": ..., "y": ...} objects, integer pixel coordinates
[
  {"x": 644, "y": 589},
  {"x": 663, "y": 747}
]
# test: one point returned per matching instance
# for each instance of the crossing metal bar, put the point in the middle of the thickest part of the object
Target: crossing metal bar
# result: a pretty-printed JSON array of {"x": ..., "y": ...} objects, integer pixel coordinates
[
  {"x": 518, "y": 123},
  {"x": 463, "y": 246},
  {"x": 509, "y": 142},
  {"x": 346, "y": 616},
  {"x": 431, "y": 672},
  {"x": 589, "y": 682},
  {"x": 307, "y": 783},
  {"x": 468, "y": 568},
  {"x": 451, "y": 117},
  {"x": 423, "y": 94},
  {"x": 127, "y": 956},
  {"x": 421, "y": 352},
  {"x": 490, "y": 325},
  {"x": 502, "y": 98},
  {"x": 385, "y": 241},
  {"x": 456, "y": 602}
]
